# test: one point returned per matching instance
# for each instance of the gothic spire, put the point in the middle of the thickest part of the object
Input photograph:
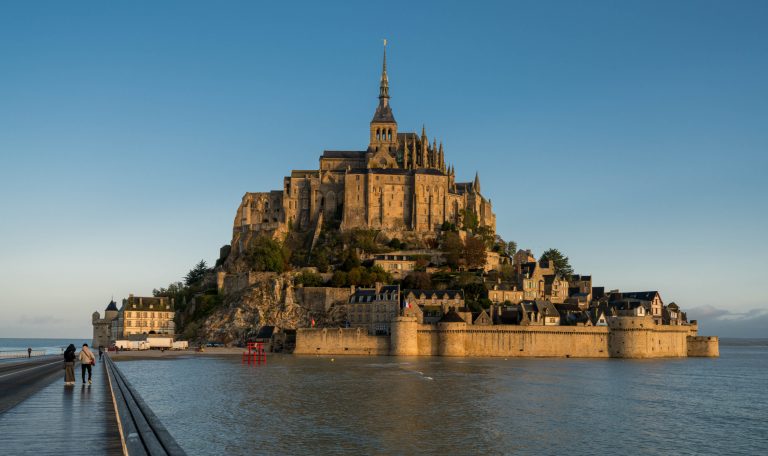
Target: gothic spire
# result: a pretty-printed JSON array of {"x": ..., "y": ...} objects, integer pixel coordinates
[
  {"x": 384, "y": 85},
  {"x": 383, "y": 112},
  {"x": 476, "y": 184}
]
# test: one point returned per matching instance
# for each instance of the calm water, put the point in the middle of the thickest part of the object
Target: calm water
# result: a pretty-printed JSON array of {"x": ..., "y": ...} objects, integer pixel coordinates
[
  {"x": 50, "y": 346},
  {"x": 387, "y": 405}
]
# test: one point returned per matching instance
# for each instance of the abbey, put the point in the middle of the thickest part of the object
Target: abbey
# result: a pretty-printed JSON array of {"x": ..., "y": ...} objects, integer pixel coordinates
[{"x": 399, "y": 184}]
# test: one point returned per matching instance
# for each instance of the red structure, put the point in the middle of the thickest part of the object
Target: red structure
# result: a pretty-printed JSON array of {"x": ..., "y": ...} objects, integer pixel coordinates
[{"x": 255, "y": 354}]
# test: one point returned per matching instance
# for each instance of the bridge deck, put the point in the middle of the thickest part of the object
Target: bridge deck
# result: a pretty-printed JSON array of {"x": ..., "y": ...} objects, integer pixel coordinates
[{"x": 60, "y": 420}]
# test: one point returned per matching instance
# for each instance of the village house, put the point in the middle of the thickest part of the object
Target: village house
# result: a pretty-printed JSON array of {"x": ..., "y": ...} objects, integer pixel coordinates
[
  {"x": 373, "y": 308},
  {"x": 650, "y": 300}
]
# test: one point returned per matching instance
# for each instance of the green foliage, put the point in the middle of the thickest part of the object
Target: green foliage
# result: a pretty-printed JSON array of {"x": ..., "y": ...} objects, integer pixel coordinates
[
  {"x": 448, "y": 226},
  {"x": 360, "y": 276},
  {"x": 469, "y": 220},
  {"x": 561, "y": 263},
  {"x": 351, "y": 260},
  {"x": 417, "y": 280},
  {"x": 395, "y": 244},
  {"x": 197, "y": 273},
  {"x": 364, "y": 240},
  {"x": 339, "y": 279},
  {"x": 266, "y": 254},
  {"x": 486, "y": 235},
  {"x": 309, "y": 279},
  {"x": 511, "y": 248},
  {"x": 470, "y": 252},
  {"x": 205, "y": 305}
]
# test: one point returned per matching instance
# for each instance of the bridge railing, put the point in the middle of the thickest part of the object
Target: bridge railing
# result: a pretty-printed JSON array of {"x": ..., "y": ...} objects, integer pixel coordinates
[{"x": 141, "y": 431}]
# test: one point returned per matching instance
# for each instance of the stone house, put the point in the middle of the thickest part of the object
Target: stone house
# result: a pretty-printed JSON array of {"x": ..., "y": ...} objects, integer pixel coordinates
[
  {"x": 145, "y": 315},
  {"x": 373, "y": 308},
  {"x": 540, "y": 312},
  {"x": 502, "y": 293},
  {"x": 650, "y": 300}
]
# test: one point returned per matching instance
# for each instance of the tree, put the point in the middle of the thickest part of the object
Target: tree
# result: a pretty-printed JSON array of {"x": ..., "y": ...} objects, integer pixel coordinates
[
  {"x": 309, "y": 279},
  {"x": 196, "y": 274},
  {"x": 474, "y": 252},
  {"x": 469, "y": 220},
  {"x": 511, "y": 248},
  {"x": 266, "y": 254},
  {"x": 339, "y": 279},
  {"x": 453, "y": 248},
  {"x": 417, "y": 280},
  {"x": 560, "y": 262}
]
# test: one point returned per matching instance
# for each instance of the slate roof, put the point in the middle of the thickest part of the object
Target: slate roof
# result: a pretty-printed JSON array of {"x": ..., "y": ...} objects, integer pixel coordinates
[
  {"x": 383, "y": 113},
  {"x": 112, "y": 305},
  {"x": 546, "y": 308},
  {"x": 451, "y": 317},
  {"x": 441, "y": 294},
  {"x": 643, "y": 295},
  {"x": 344, "y": 154}
]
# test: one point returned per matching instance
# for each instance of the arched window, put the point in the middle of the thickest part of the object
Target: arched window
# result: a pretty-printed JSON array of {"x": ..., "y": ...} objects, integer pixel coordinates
[
  {"x": 378, "y": 134},
  {"x": 390, "y": 134}
]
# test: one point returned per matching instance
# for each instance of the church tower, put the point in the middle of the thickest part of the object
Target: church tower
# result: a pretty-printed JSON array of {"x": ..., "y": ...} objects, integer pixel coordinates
[{"x": 383, "y": 125}]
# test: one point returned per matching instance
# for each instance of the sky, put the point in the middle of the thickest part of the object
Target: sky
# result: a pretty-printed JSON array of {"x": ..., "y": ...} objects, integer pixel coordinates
[{"x": 632, "y": 136}]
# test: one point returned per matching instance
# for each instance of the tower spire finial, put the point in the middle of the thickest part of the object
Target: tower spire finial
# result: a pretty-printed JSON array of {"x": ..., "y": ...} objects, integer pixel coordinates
[{"x": 384, "y": 86}]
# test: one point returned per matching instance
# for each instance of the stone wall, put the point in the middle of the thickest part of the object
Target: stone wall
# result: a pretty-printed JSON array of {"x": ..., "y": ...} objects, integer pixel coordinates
[
  {"x": 707, "y": 346},
  {"x": 340, "y": 341},
  {"x": 625, "y": 337},
  {"x": 321, "y": 299}
]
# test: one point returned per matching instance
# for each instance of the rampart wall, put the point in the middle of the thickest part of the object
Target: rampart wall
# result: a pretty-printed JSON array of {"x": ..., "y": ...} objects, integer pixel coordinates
[
  {"x": 625, "y": 337},
  {"x": 339, "y": 341},
  {"x": 708, "y": 346}
]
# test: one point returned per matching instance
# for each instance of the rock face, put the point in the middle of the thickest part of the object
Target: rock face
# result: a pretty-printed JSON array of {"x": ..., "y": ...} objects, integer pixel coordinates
[{"x": 270, "y": 300}]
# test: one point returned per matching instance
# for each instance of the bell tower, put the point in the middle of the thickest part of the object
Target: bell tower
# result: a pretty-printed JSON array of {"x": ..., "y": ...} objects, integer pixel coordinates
[{"x": 383, "y": 125}]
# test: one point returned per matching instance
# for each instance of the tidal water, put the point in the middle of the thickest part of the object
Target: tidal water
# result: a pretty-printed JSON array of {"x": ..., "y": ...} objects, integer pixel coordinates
[
  {"x": 49, "y": 346},
  {"x": 389, "y": 405}
]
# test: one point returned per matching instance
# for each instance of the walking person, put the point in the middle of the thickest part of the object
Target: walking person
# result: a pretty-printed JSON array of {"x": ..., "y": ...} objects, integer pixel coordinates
[
  {"x": 101, "y": 351},
  {"x": 86, "y": 362},
  {"x": 29, "y": 352},
  {"x": 69, "y": 365}
]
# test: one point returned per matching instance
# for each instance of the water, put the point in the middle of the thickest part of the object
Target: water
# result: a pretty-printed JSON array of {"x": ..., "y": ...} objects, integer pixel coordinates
[
  {"x": 49, "y": 346},
  {"x": 388, "y": 405}
]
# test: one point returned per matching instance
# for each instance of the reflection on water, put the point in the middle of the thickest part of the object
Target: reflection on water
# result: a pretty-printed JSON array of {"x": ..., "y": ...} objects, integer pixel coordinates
[{"x": 308, "y": 405}]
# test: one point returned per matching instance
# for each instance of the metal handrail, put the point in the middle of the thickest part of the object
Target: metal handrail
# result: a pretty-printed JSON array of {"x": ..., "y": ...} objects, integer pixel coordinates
[{"x": 141, "y": 431}]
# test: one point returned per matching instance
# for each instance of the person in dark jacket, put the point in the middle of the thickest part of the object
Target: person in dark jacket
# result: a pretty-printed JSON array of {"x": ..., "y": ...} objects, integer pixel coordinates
[{"x": 69, "y": 365}]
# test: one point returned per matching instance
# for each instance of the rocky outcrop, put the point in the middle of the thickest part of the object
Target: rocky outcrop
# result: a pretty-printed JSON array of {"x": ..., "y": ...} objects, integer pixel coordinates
[{"x": 270, "y": 299}]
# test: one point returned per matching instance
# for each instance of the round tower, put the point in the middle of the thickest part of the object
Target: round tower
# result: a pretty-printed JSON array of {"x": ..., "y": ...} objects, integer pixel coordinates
[
  {"x": 452, "y": 330},
  {"x": 404, "y": 340},
  {"x": 110, "y": 313}
]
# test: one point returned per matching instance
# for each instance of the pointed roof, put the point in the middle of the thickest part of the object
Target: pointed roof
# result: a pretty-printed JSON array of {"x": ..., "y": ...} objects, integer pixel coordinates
[
  {"x": 384, "y": 111},
  {"x": 112, "y": 305},
  {"x": 476, "y": 183}
]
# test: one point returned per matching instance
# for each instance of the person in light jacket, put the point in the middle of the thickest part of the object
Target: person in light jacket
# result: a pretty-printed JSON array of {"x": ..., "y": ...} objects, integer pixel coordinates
[
  {"x": 87, "y": 361},
  {"x": 69, "y": 365}
]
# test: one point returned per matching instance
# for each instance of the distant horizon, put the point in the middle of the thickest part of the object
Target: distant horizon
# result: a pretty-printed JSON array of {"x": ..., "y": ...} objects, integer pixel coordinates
[{"x": 630, "y": 137}]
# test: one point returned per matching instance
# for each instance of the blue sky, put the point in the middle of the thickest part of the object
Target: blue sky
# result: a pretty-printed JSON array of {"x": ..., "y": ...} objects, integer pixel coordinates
[{"x": 630, "y": 135}]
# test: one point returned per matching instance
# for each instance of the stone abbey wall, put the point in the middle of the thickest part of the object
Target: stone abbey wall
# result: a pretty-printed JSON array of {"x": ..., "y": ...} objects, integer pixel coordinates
[{"x": 625, "y": 337}]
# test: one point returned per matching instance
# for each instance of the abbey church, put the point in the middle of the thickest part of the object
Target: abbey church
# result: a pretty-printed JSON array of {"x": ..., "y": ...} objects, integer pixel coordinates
[{"x": 400, "y": 184}]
